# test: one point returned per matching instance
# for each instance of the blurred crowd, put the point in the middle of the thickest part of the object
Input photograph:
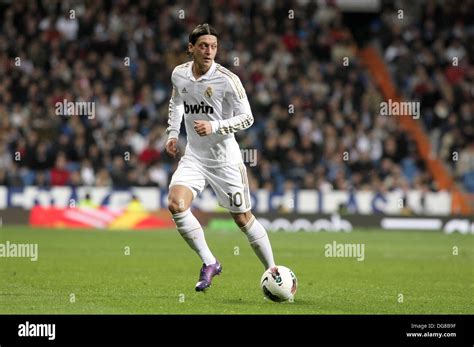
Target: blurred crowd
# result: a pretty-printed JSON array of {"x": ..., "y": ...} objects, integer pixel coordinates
[
  {"x": 430, "y": 50},
  {"x": 317, "y": 120}
]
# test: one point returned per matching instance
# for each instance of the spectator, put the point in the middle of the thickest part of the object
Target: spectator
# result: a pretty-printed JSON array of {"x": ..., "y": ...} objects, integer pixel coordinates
[{"x": 59, "y": 174}]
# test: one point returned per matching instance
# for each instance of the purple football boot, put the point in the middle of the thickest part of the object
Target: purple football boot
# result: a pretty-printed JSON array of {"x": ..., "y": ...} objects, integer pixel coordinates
[{"x": 206, "y": 275}]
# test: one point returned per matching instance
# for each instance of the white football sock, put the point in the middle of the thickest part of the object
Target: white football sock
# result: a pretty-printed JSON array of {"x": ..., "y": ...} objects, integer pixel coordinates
[
  {"x": 259, "y": 241},
  {"x": 191, "y": 230}
]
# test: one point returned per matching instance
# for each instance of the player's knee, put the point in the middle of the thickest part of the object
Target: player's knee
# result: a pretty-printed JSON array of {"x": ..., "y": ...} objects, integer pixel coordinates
[
  {"x": 176, "y": 205},
  {"x": 242, "y": 219}
]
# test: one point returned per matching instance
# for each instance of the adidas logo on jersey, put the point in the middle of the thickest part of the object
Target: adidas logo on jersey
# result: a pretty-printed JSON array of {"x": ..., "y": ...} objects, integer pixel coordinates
[
  {"x": 197, "y": 109},
  {"x": 184, "y": 91}
]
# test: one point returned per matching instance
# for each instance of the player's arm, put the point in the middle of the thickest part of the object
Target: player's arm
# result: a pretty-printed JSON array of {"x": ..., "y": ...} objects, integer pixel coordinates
[
  {"x": 243, "y": 117},
  {"x": 175, "y": 116}
]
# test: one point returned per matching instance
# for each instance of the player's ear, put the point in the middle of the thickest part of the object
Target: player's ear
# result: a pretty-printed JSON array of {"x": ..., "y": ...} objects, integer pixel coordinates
[{"x": 190, "y": 49}]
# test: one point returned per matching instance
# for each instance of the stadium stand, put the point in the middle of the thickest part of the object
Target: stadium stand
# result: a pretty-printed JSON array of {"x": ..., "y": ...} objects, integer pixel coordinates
[{"x": 317, "y": 121}]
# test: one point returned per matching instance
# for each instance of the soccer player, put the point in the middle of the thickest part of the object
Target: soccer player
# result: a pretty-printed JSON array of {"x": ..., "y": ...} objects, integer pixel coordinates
[{"x": 215, "y": 106}]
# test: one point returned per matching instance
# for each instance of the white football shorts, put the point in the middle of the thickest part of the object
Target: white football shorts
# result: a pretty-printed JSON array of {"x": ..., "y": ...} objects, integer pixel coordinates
[{"x": 229, "y": 183}]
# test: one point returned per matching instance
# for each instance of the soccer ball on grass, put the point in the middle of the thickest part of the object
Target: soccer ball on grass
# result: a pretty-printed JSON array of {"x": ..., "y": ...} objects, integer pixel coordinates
[{"x": 279, "y": 284}]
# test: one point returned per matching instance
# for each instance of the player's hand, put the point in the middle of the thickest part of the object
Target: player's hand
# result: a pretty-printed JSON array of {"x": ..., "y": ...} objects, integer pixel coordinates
[
  {"x": 203, "y": 127},
  {"x": 172, "y": 147}
]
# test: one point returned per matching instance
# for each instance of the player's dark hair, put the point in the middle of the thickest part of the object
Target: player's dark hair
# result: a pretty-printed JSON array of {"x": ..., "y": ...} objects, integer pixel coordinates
[{"x": 200, "y": 30}]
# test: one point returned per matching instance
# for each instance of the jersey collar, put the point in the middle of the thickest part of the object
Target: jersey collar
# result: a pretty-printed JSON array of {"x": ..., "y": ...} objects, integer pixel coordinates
[{"x": 206, "y": 76}]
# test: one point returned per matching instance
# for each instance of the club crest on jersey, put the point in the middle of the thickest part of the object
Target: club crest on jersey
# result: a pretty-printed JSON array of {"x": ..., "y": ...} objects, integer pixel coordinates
[{"x": 208, "y": 92}]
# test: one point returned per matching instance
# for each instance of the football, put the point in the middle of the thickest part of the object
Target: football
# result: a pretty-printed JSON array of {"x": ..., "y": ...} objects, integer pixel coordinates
[{"x": 279, "y": 284}]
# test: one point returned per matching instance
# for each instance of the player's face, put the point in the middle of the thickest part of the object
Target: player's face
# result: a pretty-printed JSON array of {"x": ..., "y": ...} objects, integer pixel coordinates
[{"x": 204, "y": 50}]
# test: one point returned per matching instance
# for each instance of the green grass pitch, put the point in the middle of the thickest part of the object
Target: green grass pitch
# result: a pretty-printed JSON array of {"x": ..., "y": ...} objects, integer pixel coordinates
[{"x": 159, "y": 274}]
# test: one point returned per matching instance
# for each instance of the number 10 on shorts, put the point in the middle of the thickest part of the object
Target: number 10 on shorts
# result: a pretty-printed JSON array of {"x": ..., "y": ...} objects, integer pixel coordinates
[{"x": 235, "y": 199}]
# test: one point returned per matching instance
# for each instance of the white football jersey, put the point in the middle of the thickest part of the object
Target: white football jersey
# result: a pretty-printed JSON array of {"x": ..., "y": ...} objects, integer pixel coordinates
[{"x": 219, "y": 97}]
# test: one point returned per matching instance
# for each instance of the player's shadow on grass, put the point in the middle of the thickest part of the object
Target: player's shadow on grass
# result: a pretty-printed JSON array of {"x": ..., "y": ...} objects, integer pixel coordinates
[{"x": 297, "y": 302}]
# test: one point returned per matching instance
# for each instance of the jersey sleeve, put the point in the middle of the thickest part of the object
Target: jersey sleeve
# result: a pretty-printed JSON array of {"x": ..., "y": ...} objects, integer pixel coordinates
[
  {"x": 237, "y": 98},
  {"x": 175, "y": 112}
]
